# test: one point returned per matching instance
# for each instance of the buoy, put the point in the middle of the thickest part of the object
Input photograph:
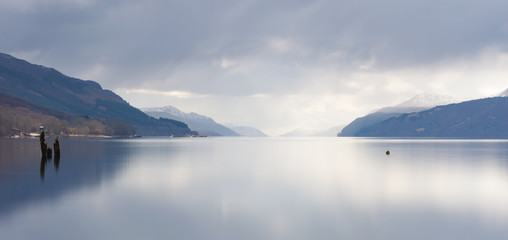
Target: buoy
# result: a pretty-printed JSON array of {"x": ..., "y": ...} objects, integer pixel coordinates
[{"x": 387, "y": 152}]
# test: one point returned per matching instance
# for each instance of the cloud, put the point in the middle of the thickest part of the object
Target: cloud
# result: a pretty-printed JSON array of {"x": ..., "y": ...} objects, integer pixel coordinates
[
  {"x": 374, "y": 52},
  {"x": 176, "y": 94}
]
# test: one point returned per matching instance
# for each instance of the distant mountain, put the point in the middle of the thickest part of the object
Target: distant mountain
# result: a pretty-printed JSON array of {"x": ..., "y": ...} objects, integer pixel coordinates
[
  {"x": 300, "y": 132},
  {"x": 331, "y": 132},
  {"x": 202, "y": 124},
  {"x": 48, "y": 88},
  {"x": 246, "y": 131},
  {"x": 483, "y": 118},
  {"x": 417, "y": 103},
  {"x": 310, "y": 131}
]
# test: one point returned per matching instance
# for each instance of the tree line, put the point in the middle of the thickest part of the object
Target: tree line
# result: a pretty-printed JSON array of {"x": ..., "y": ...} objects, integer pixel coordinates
[{"x": 14, "y": 118}]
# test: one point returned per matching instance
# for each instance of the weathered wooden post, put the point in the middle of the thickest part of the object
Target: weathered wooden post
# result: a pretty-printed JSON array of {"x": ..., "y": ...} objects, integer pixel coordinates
[{"x": 44, "y": 146}]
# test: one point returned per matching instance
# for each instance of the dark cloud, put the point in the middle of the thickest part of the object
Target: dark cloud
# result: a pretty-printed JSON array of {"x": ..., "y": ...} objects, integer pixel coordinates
[{"x": 180, "y": 44}]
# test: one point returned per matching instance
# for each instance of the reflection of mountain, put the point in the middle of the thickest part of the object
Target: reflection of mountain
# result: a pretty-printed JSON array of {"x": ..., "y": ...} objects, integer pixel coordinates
[
  {"x": 83, "y": 163},
  {"x": 417, "y": 103},
  {"x": 51, "y": 89},
  {"x": 202, "y": 124}
]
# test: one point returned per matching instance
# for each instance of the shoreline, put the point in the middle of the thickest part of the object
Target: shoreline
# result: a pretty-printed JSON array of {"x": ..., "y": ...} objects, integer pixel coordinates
[{"x": 71, "y": 137}]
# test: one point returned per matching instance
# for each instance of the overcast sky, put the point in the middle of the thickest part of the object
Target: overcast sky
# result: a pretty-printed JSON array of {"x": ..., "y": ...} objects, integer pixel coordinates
[{"x": 274, "y": 65}]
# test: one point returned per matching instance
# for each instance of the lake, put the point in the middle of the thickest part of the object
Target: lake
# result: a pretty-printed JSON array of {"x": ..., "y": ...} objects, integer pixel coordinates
[{"x": 255, "y": 188}]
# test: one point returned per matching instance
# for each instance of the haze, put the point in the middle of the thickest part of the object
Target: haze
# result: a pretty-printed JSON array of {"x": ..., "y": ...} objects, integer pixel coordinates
[{"x": 274, "y": 65}]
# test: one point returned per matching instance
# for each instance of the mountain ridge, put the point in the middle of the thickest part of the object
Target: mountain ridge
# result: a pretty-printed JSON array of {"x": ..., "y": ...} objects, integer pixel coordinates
[
  {"x": 49, "y": 88},
  {"x": 18, "y": 116},
  {"x": 417, "y": 103},
  {"x": 480, "y": 118},
  {"x": 202, "y": 124}
]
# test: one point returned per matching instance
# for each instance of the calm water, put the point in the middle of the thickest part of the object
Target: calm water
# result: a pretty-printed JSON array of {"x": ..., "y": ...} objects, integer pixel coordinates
[{"x": 255, "y": 188}]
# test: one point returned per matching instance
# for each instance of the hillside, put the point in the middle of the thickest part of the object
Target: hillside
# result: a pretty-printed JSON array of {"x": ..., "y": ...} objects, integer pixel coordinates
[
  {"x": 483, "y": 118},
  {"x": 18, "y": 116},
  {"x": 352, "y": 129},
  {"x": 48, "y": 88},
  {"x": 202, "y": 124},
  {"x": 415, "y": 104}
]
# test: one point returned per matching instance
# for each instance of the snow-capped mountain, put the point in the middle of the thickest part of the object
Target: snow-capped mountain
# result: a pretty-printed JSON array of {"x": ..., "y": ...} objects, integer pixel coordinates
[
  {"x": 502, "y": 94},
  {"x": 202, "y": 124},
  {"x": 177, "y": 113},
  {"x": 417, "y": 103},
  {"x": 484, "y": 118},
  {"x": 427, "y": 100}
]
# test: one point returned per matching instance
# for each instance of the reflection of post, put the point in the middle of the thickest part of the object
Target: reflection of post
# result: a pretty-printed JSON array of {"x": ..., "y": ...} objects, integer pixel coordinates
[
  {"x": 56, "y": 147},
  {"x": 44, "y": 160},
  {"x": 57, "y": 161}
]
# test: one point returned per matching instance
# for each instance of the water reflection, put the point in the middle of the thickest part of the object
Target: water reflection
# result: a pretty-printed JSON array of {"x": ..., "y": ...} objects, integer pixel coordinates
[
  {"x": 44, "y": 162},
  {"x": 242, "y": 188},
  {"x": 57, "y": 161},
  {"x": 22, "y": 170}
]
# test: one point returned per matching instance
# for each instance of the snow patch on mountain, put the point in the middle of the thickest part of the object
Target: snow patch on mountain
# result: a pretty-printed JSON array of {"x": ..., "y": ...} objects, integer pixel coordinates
[
  {"x": 502, "y": 94},
  {"x": 420, "y": 102},
  {"x": 176, "y": 112},
  {"x": 427, "y": 100}
]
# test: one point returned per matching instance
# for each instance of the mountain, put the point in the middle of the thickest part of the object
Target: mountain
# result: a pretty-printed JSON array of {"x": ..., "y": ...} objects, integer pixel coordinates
[
  {"x": 18, "y": 116},
  {"x": 483, "y": 118},
  {"x": 502, "y": 94},
  {"x": 300, "y": 132},
  {"x": 352, "y": 129},
  {"x": 331, "y": 132},
  {"x": 48, "y": 88},
  {"x": 415, "y": 104},
  {"x": 313, "y": 132},
  {"x": 202, "y": 124},
  {"x": 425, "y": 100},
  {"x": 246, "y": 131}
]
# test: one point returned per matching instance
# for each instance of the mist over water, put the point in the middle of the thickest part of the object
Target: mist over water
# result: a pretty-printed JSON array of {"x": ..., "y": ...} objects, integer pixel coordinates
[{"x": 256, "y": 188}]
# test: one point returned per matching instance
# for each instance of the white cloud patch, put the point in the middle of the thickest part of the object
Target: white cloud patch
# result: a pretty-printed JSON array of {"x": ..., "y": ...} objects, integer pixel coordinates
[
  {"x": 225, "y": 63},
  {"x": 175, "y": 94}
]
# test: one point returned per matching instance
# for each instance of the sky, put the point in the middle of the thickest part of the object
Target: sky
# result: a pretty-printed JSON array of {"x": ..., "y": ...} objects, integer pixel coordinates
[{"x": 273, "y": 65}]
